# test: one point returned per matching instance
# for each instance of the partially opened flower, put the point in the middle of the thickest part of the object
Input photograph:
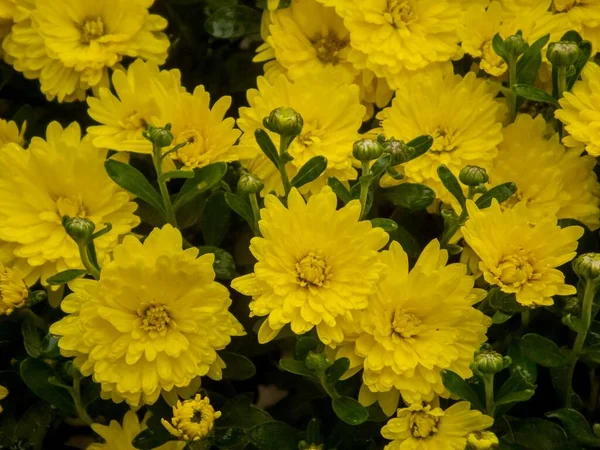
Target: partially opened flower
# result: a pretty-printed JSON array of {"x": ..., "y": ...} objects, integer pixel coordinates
[
  {"x": 152, "y": 323},
  {"x": 316, "y": 265},
  {"x": 193, "y": 419},
  {"x": 521, "y": 254}
]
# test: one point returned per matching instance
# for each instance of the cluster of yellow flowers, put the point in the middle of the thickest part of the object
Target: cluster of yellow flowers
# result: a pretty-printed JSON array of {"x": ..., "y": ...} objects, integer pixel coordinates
[{"x": 153, "y": 321}]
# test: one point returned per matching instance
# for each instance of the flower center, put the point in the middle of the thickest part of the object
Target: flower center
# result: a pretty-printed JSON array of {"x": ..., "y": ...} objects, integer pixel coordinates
[
  {"x": 154, "y": 317},
  {"x": 70, "y": 206},
  {"x": 328, "y": 48},
  {"x": 399, "y": 13},
  {"x": 443, "y": 140},
  {"x": 312, "y": 270},
  {"x": 197, "y": 417},
  {"x": 92, "y": 29},
  {"x": 423, "y": 425},
  {"x": 135, "y": 122},
  {"x": 405, "y": 324},
  {"x": 515, "y": 270},
  {"x": 564, "y": 5},
  {"x": 193, "y": 154}
]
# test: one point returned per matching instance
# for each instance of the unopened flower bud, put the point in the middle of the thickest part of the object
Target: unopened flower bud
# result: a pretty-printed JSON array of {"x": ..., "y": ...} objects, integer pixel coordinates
[
  {"x": 249, "y": 183},
  {"x": 587, "y": 266},
  {"x": 398, "y": 150},
  {"x": 572, "y": 306},
  {"x": 596, "y": 429},
  {"x": 79, "y": 228},
  {"x": 161, "y": 136},
  {"x": 316, "y": 361},
  {"x": 284, "y": 121},
  {"x": 367, "y": 150},
  {"x": 473, "y": 176},
  {"x": 487, "y": 361},
  {"x": 482, "y": 440},
  {"x": 515, "y": 45},
  {"x": 563, "y": 53}
]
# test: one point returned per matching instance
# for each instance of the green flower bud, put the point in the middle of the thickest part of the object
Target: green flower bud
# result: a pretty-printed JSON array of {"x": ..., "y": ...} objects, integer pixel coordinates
[
  {"x": 587, "y": 266},
  {"x": 398, "y": 150},
  {"x": 303, "y": 445},
  {"x": 36, "y": 297},
  {"x": 316, "y": 361},
  {"x": 249, "y": 183},
  {"x": 515, "y": 45},
  {"x": 284, "y": 121},
  {"x": 367, "y": 150},
  {"x": 79, "y": 228},
  {"x": 487, "y": 361},
  {"x": 160, "y": 136},
  {"x": 596, "y": 429},
  {"x": 473, "y": 176},
  {"x": 563, "y": 53},
  {"x": 571, "y": 306}
]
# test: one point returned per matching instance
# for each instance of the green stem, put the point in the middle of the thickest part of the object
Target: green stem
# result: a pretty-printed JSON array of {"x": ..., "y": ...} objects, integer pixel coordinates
[
  {"x": 364, "y": 188},
  {"x": 561, "y": 80},
  {"x": 525, "y": 318},
  {"x": 512, "y": 80},
  {"x": 488, "y": 381},
  {"x": 284, "y": 143},
  {"x": 255, "y": 213},
  {"x": 76, "y": 394},
  {"x": 450, "y": 232},
  {"x": 92, "y": 269},
  {"x": 328, "y": 388},
  {"x": 162, "y": 186},
  {"x": 36, "y": 320},
  {"x": 586, "y": 321}
]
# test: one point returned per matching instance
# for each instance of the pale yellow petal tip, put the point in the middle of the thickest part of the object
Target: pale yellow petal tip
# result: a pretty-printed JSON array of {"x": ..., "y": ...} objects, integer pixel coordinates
[{"x": 266, "y": 334}]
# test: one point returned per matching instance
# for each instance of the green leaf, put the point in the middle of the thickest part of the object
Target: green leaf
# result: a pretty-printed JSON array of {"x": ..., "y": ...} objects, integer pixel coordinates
[
  {"x": 350, "y": 410},
  {"x": 420, "y": 145},
  {"x": 572, "y": 36},
  {"x": 533, "y": 93},
  {"x": 337, "y": 370},
  {"x": 502, "y": 192},
  {"x": 574, "y": 323},
  {"x": 266, "y": 145},
  {"x": 537, "y": 434},
  {"x": 542, "y": 351},
  {"x": 501, "y": 301},
  {"x": 498, "y": 46},
  {"x": 177, "y": 174},
  {"x": 229, "y": 437},
  {"x": 310, "y": 171},
  {"x": 204, "y": 179},
  {"x": 520, "y": 363},
  {"x": 414, "y": 196},
  {"x": 152, "y": 438},
  {"x": 35, "y": 373},
  {"x": 451, "y": 183},
  {"x": 241, "y": 207},
  {"x": 500, "y": 317},
  {"x": 459, "y": 387},
  {"x": 232, "y": 22},
  {"x": 515, "y": 397},
  {"x": 32, "y": 338},
  {"x": 240, "y": 413},
  {"x": 380, "y": 166},
  {"x": 237, "y": 367},
  {"x": 50, "y": 349},
  {"x": 33, "y": 425},
  {"x": 305, "y": 345},
  {"x": 585, "y": 52},
  {"x": 529, "y": 64},
  {"x": 339, "y": 189},
  {"x": 295, "y": 367},
  {"x": 313, "y": 432},
  {"x": 274, "y": 435},
  {"x": 132, "y": 180},
  {"x": 408, "y": 242},
  {"x": 216, "y": 219},
  {"x": 515, "y": 389},
  {"x": 65, "y": 276},
  {"x": 224, "y": 265},
  {"x": 388, "y": 225},
  {"x": 591, "y": 355},
  {"x": 576, "y": 425}
]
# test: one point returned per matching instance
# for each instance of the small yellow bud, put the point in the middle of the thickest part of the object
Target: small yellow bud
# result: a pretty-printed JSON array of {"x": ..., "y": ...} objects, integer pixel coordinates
[
  {"x": 316, "y": 361},
  {"x": 193, "y": 419},
  {"x": 482, "y": 440}
]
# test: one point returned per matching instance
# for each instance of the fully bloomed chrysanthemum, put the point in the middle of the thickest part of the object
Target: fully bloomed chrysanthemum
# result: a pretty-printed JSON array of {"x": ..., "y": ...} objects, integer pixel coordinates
[
  {"x": 10, "y": 133},
  {"x": 70, "y": 44},
  {"x": 418, "y": 323},
  {"x": 563, "y": 183},
  {"x": 62, "y": 175},
  {"x": 119, "y": 437},
  {"x": 424, "y": 427},
  {"x": 332, "y": 116},
  {"x": 580, "y": 111},
  {"x": 461, "y": 114},
  {"x": 520, "y": 256},
  {"x": 307, "y": 38},
  {"x": 316, "y": 265},
  {"x": 140, "y": 91},
  {"x": 153, "y": 321},
  {"x": 391, "y": 36}
]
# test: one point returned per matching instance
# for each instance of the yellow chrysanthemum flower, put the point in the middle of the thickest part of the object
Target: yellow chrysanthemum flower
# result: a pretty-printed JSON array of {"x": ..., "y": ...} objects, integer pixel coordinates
[
  {"x": 10, "y": 133},
  {"x": 8, "y": 9},
  {"x": 584, "y": 16},
  {"x": 119, "y": 437},
  {"x": 193, "y": 419},
  {"x": 3, "y": 394},
  {"x": 580, "y": 111},
  {"x": 418, "y": 323},
  {"x": 153, "y": 322},
  {"x": 13, "y": 290},
  {"x": 563, "y": 183},
  {"x": 315, "y": 265},
  {"x": 307, "y": 38},
  {"x": 332, "y": 116},
  {"x": 391, "y": 36},
  {"x": 482, "y": 25},
  {"x": 136, "y": 105},
  {"x": 519, "y": 256},
  {"x": 70, "y": 44},
  {"x": 421, "y": 427},
  {"x": 62, "y": 175},
  {"x": 459, "y": 113},
  {"x": 483, "y": 440}
]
